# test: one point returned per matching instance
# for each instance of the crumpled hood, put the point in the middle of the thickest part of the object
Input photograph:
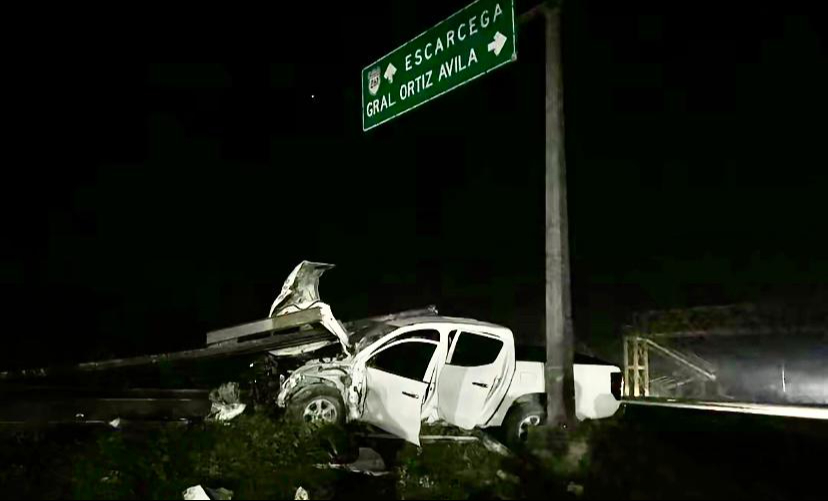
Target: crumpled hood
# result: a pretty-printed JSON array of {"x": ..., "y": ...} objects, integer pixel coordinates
[
  {"x": 301, "y": 289},
  {"x": 300, "y": 292}
]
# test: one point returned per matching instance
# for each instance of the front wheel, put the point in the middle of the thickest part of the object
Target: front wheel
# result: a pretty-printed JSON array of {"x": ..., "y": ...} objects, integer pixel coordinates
[
  {"x": 518, "y": 421},
  {"x": 317, "y": 405}
]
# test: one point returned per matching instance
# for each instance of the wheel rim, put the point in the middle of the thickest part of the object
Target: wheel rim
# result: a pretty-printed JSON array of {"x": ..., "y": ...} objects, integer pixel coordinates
[
  {"x": 320, "y": 410},
  {"x": 528, "y": 422}
]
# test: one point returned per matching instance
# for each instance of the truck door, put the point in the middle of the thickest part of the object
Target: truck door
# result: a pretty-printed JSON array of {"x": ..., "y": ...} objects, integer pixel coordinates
[
  {"x": 475, "y": 378},
  {"x": 396, "y": 386}
]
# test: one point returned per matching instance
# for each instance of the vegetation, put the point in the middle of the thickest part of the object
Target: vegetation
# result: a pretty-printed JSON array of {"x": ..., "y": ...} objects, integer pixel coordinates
[{"x": 644, "y": 454}]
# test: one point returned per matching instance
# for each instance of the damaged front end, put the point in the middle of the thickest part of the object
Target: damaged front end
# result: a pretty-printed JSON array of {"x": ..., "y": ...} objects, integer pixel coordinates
[
  {"x": 340, "y": 372},
  {"x": 330, "y": 368},
  {"x": 334, "y": 373}
]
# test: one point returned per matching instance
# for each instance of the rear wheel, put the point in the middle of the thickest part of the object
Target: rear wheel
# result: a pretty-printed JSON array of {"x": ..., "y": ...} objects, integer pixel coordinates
[
  {"x": 519, "y": 420},
  {"x": 317, "y": 405}
]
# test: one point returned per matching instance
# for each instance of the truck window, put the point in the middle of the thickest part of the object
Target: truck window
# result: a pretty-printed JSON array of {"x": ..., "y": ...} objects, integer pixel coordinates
[
  {"x": 422, "y": 334},
  {"x": 429, "y": 334},
  {"x": 474, "y": 350},
  {"x": 408, "y": 359}
]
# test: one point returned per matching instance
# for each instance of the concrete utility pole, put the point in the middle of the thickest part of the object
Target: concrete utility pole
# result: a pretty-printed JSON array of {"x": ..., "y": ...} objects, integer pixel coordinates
[
  {"x": 560, "y": 390},
  {"x": 559, "y": 330}
]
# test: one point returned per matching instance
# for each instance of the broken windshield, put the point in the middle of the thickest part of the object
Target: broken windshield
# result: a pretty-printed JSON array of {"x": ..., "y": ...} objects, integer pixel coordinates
[{"x": 364, "y": 334}]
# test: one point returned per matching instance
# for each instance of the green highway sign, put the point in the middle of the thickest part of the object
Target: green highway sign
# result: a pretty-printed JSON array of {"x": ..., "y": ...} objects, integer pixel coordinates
[{"x": 466, "y": 45}]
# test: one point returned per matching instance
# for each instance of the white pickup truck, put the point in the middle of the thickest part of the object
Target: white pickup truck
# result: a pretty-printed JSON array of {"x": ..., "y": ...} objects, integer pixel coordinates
[{"x": 400, "y": 373}]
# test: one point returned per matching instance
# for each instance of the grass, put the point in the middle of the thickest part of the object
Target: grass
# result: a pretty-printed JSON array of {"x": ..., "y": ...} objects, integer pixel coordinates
[
  {"x": 254, "y": 456},
  {"x": 452, "y": 470},
  {"x": 644, "y": 454}
]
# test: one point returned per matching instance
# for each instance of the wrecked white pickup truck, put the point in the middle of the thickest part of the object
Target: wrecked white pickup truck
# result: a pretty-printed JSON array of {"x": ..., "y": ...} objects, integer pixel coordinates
[
  {"x": 396, "y": 373},
  {"x": 393, "y": 371}
]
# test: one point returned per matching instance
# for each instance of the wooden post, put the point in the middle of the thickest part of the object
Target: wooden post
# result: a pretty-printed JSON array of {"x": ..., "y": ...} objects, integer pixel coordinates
[
  {"x": 627, "y": 378},
  {"x": 637, "y": 373},
  {"x": 559, "y": 333},
  {"x": 646, "y": 352}
]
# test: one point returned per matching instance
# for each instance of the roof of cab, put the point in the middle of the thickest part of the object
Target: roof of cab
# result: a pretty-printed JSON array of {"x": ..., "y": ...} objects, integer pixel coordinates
[{"x": 431, "y": 319}]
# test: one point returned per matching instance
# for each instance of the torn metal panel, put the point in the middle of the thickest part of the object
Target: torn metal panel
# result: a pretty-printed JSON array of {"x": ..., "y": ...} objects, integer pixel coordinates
[
  {"x": 300, "y": 292},
  {"x": 333, "y": 325},
  {"x": 301, "y": 288},
  {"x": 226, "y": 402},
  {"x": 226, "y": 412}
]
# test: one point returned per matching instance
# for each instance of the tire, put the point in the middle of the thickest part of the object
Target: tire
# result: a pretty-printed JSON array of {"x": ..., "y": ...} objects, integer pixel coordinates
[
  {"x": 519, "y": 419},
  {"x": 318, "y": 404}
]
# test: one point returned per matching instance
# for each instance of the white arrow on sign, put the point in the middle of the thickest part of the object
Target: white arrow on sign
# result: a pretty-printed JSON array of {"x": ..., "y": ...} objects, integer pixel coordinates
[
  {"x": 389, "y": 72},
  {"x": 497, "y": 44}
]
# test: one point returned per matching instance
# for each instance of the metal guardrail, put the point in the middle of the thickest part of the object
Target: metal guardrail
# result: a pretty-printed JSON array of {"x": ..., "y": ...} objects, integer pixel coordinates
[
  {"x": 291, "y": 337},
  {"x": 793, "y": 411}
]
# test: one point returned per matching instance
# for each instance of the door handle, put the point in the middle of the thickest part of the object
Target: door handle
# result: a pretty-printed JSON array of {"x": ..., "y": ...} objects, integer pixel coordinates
[
  {"x": 410, "y": 395},
  {"x": 482, "y": 385}
]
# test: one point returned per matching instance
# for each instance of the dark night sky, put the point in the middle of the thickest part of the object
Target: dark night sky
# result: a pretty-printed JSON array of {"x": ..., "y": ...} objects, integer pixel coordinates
[{"x": 157, "y": 201}]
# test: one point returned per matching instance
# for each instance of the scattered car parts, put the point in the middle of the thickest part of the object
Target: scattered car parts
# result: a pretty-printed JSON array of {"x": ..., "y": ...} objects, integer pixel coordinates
[{"x": 226, "y": 403}]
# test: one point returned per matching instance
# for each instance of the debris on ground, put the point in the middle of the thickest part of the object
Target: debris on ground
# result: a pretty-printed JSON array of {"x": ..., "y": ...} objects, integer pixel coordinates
[
  {"x": 226, "y": 403},
  {"x": 196, "y": 493},
  {"x": 454, "y": 470},
  {"x": 446, "y": 438},
  {"x": 369, "y": 462},
  {"x": 301, "y": 494},
  {"x": 577, "y": 451},
  {"x": 199, "y": 493},
  {"x": 491, "y": 444},
  {"x": 111, "y": 478},
  {"x": 220, "y": 494},
  {"x": 508, "y": 477},
  {"x": 575, "y": 489}
]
